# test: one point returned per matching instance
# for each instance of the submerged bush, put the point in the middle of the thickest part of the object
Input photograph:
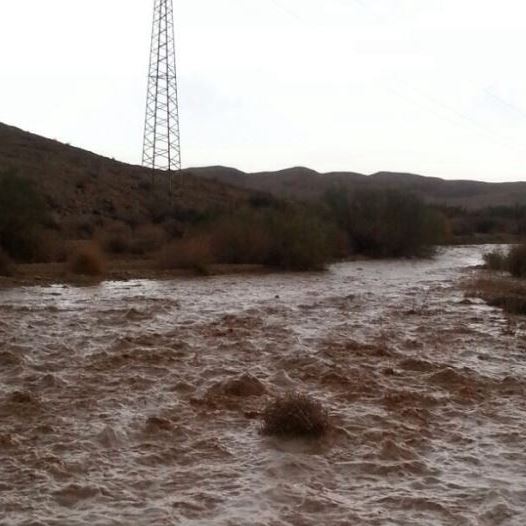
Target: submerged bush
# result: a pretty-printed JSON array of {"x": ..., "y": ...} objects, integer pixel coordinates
[
  {"x": 22, "y": 214},
  {"x": 295, "y": 415},
  {"x": 87, "y": 261}
]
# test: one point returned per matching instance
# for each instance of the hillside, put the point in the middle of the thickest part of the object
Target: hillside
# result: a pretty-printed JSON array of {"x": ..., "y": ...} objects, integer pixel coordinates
[
  {"x": 303, "y": 183},
  {"x": 83, "y": 189}
]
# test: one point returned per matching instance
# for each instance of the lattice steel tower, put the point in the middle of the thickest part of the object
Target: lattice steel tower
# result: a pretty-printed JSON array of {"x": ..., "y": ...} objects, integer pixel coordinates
[{"x": 162, "y": 148}]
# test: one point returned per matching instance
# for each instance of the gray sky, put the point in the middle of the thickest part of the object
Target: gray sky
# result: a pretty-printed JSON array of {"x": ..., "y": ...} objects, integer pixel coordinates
[{"x": 428, "y": 86}]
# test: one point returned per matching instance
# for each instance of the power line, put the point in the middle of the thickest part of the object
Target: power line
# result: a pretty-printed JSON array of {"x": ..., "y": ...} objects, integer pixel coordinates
[{"x": 161, "y": 147}]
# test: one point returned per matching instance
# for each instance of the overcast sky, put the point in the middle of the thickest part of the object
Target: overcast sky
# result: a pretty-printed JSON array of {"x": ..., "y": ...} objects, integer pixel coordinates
[{"x": 436, "y": 87}]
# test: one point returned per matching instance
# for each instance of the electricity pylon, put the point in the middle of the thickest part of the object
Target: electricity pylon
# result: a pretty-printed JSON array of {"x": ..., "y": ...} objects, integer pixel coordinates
[{"x": 161, "y": 147}]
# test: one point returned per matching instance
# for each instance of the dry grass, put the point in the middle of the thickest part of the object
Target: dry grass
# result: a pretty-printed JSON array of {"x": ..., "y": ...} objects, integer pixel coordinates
[
  {"x": 512, "y": 261},
  {"x": 87, "y": 261},
  {"x": 496, "y": 260},
  {"x": 504, "y": 292},
  {"x": 193, "y": 253},
  {"x": 295, "y": 415},
  {"x": 517, "y": 261}
]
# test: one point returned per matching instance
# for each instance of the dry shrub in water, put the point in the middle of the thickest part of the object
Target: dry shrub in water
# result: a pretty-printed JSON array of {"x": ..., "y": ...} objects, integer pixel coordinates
[
  {"x": 517, "y": 261},
  {"x": 514, "y": 261},
  {"x": 6, "y": 265},
  {"x": 87, "y": 261},
  {"x": 496, "y": 260},
  {"x": 295, "y": 415},
  {"x": 192, "y": 253},
  {"x": 503, "y": 292}
]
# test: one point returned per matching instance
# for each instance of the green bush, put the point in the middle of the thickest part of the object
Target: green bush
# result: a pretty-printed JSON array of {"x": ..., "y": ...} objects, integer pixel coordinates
[
  {"x": 387, "y": 223},
  {"x": 241, "y": 238},
  {"x": 290, "y": 238},
  {"x": 22, "y": 214},
  {"x": 300, "y": 241}
]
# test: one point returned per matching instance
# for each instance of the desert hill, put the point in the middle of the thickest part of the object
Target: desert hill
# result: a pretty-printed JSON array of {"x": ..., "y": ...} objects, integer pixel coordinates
[
  {"x": 303, "y": 183},
  {"x": 83, "y": 189}
]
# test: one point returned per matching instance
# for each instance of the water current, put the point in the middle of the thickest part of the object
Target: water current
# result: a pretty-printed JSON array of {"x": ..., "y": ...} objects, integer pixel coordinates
[{"x": 137, "y": 403}]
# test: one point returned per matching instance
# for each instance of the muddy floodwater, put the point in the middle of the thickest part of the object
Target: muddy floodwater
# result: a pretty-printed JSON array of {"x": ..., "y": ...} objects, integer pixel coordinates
[{"x": 137, "y": 403}]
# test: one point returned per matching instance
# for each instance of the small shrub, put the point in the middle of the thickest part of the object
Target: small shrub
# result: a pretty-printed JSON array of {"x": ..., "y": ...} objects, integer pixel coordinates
[
  {"x": 192, "y": 253},
  {"x": 6, "y": 265},
  {"x": 496, "y": 260},
  {"x": 295, "y": 415},
  {"x": 517, "y": 261},
  {"x": 242, "y": 238},
  {"x": 51, "y": 247},
  {"x": 500, "y": 291},
  {"x": 22, "y": 214},
  {"x": 148, "y": 239},
  {"x": 115, "y": 238},
  {"x": 513, "y": 304},
  {"x": 87, "y": 261},
  {"x": 82, "y": 226}
]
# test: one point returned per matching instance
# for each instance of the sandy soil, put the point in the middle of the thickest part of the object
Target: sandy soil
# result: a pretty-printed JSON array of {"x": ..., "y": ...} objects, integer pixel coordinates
[{"x": 118, "y": 407}]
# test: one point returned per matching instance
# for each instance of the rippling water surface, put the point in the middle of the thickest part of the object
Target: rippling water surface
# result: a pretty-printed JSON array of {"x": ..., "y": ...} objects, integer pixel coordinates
[{"x": 116, "y": 406}]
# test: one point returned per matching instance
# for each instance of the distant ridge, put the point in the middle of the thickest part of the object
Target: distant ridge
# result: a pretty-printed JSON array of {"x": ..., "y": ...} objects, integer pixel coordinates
[
  {"x": 307, "y": 184},
  {"x": 76, "y": 182}
]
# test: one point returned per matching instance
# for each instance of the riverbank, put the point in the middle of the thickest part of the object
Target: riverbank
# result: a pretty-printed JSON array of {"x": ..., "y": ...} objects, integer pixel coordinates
[{"x": 42, "y": 274}]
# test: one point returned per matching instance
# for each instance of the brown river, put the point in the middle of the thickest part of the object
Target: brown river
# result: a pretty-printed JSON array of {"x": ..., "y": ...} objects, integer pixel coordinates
[{"x": 137, "y": 403}]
